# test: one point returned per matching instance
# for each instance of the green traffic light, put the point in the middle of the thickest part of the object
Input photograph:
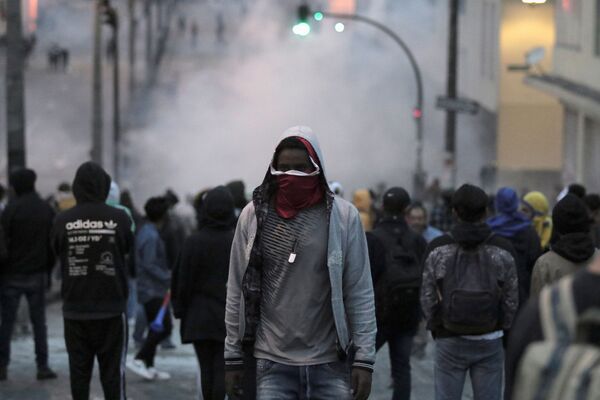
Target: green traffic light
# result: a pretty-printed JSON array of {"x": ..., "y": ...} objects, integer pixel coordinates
[{"x": 318, "y": 16}]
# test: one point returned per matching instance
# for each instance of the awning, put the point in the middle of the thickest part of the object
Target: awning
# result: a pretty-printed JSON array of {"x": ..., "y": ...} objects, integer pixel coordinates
[{"x": 581, "y": 97}]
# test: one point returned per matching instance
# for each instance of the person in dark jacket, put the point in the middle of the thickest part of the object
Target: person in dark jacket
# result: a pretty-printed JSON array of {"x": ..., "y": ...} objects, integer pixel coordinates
[
  {"x": 393, "y": 231},
  {"x": 27, "y": 223},
  {"x": 469, "y": 340},
  {"x": 572, "y": 247},
  {"x": 92, "y": 240},
  {"x": 153, "y": 283},
  {"x": 515, "y": 227},
  {"x": 199, "y": 288}
]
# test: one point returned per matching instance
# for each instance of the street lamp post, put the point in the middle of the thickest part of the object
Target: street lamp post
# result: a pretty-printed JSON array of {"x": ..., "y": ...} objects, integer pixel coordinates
[
  {"x": 15, "y": 85},
  {"x": 112, "y": 20},
  {"x": 419, "y": 173}
]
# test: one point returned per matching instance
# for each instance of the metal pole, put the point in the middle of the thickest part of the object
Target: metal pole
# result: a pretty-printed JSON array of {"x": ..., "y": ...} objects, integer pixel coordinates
[
  {"x": 97, "y": 109},
  {"x": 149, "y": 39},
  {"x": 451, "y": 88},
  {"x": 114, "y": 22},
  {"x": 15, "y": 86},
  {"x": 419, "y": 173},
  {"x": 131, "y": 45}
]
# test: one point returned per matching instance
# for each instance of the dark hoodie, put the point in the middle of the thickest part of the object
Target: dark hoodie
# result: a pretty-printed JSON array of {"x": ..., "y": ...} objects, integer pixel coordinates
[
  {"x": 27, "y": 222},
  {"x": 92, "y": 240},
  {"x": 441, "y": 256},
  {"x": 200, "y": 277}
]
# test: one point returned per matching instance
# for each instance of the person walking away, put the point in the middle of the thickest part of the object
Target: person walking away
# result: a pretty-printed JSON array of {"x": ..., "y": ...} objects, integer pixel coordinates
[
  {"x": 537, "y": 208},
  {"x": 398, "y": 309},
  {"x": 199, "y": 289},
  {"x": 515, "y": 227},
  {"x": 531, "y": 327},
  {"x": 418, "y": 221},
  {"x": 27, "y": 224},
  {"x": 92, "y": 240},
  {"x": 299, "y": 287},
  {"x": 572, "y": 247},
  {"x": 154, "y": 281},
  {"x": 593, "y": 203},
  {"x": 469, "y": 297}
]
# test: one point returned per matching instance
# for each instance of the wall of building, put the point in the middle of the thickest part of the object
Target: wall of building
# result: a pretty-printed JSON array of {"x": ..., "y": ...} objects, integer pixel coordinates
[
  {"x": 575, "y": 55},
  {"x": 529, "y": 122}
]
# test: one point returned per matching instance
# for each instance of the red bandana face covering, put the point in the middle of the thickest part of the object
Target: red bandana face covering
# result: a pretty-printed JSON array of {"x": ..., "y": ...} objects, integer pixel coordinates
[{"x": 295, "y": 193}]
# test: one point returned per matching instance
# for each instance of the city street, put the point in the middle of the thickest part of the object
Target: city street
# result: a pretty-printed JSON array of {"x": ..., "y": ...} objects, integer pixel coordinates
[{"x": 180, "y": 363}]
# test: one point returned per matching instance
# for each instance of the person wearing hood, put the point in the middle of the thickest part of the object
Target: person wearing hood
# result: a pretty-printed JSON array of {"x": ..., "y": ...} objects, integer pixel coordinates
[
  {"x": 572, "y": 247},
  {"x": 469, "y": 297},
  {"x": 199, "y": 288},
  {"x": 299, "y": 291},
  {"x": 515, "y": 227},
  {"x": 26, "y": 224},
  {"x": 537, "y": 208},
  {"x": 92, "y": 240}
]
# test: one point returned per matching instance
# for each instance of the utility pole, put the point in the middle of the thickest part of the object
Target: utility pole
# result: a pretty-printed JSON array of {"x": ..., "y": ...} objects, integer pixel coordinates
[
  {"x": 131, "y": 44},
  {"x": 112, "y": 19},
  {"x": 97, "y": 108},
  {"x": 451, "y": 91},
  {"x": 149, "y": 40},
  {"x": 15, "y": 95}
]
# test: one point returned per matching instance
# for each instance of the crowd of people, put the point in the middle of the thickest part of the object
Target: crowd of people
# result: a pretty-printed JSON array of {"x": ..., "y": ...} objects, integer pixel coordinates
[{"x": 291, "y": 294}]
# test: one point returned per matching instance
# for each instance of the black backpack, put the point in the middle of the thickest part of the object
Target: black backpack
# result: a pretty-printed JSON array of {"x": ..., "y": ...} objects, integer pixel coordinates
[
  {"x": 470, "y": 293},
  {"x": 398, "y": 289}
]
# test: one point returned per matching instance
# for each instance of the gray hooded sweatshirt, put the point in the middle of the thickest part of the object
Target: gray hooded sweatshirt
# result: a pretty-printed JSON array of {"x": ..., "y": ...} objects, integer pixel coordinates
[{"x": 352, "y": 302}]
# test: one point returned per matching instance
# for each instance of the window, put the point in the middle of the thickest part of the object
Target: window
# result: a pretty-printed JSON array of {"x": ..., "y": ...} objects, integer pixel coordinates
[{"x": 568, "y": 24}]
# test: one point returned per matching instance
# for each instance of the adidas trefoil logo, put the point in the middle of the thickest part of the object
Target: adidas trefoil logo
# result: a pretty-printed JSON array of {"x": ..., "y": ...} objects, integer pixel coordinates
[{"x": 110, "y": 224}]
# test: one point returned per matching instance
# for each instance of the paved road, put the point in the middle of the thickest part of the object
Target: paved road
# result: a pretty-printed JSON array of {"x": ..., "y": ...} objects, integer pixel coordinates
[{"x": 181, "y": 363}]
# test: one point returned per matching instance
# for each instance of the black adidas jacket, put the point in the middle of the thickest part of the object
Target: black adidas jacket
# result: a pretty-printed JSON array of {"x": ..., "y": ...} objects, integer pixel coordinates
[{"x": 92, "y": 240}]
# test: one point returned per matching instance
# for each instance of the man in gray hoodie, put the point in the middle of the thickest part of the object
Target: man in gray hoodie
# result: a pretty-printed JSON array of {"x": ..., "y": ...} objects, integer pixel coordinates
[{"x": 300, "y": 293}]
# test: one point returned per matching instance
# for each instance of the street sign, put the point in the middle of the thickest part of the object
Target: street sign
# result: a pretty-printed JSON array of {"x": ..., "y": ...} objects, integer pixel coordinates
[{"x": 459, "y": 105}]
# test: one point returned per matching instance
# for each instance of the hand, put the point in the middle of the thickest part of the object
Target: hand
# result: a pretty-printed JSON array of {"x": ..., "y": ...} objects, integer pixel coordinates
[
  {"x": 233, "y": 384},
  {"x": 361, "y": 383}
]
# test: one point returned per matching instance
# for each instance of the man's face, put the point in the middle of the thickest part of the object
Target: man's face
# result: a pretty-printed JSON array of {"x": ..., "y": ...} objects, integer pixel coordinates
[
  {"x": 417, "y": 220},
  {"x": 294, "y": 159}
]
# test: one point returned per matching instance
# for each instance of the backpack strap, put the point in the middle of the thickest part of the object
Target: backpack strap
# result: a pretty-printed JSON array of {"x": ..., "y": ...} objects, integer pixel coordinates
[{"x": 558, "y": 314}]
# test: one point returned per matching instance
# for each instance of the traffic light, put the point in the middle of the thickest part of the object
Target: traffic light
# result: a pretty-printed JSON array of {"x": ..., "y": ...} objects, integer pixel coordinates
[{"x": 302, "y": 27}]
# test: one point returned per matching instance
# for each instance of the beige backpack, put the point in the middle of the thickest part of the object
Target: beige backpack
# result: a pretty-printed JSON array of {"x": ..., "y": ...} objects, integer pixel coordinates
[{"x": 566, "y": 365}]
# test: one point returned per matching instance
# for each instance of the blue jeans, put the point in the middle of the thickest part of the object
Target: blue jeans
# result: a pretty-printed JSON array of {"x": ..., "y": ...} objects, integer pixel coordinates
[
  {"x": 400, "y": 348},
  {"x": 319, "y": 382},
  {"x": 456, "y": 356},
  {"x": 33, "y": 288}
]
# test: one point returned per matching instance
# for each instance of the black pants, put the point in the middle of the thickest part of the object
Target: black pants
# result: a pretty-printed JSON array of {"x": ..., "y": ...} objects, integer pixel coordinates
[
  {"x": 212, "y": 368},
  {"x": 105, "y": 339},
  {"x": 11, "y": 291},
  {"x": 148, "y": 350}
]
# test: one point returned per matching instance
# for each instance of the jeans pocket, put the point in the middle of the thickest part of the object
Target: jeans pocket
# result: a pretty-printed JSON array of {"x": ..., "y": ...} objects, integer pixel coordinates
[
  {"x": 338, "y": 368},
  {"x": 263, "y": 366}
]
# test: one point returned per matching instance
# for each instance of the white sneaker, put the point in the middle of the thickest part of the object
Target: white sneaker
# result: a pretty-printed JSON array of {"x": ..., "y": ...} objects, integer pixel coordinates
[
  {"x": 160, "y": 375},
  {"x": 139, "y": 368}
]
